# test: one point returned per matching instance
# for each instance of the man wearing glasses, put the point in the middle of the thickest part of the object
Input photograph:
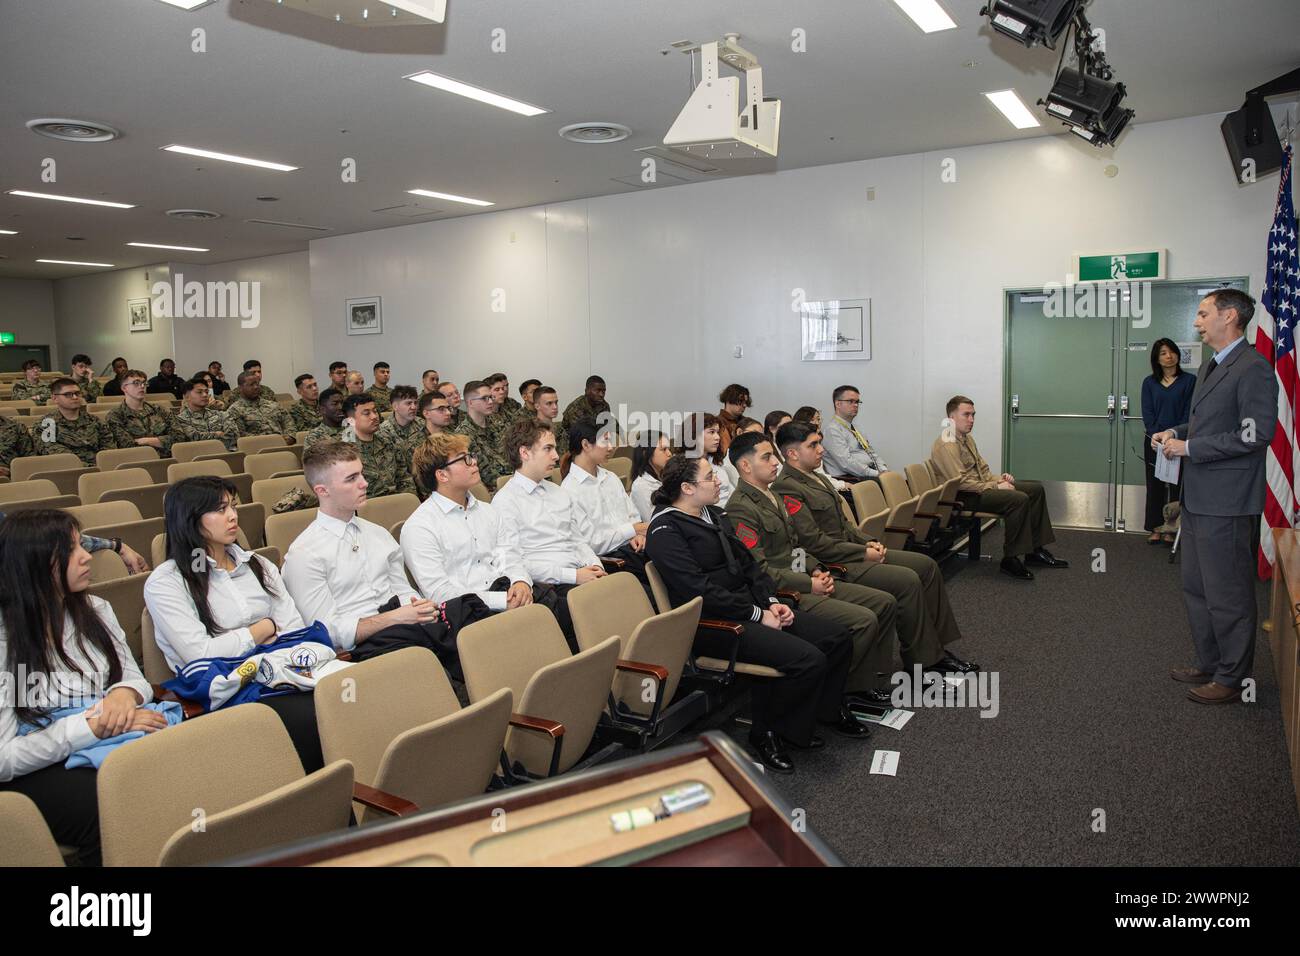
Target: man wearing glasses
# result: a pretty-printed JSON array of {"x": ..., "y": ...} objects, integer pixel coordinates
[
  {"x": 30, "y": 388},
  {"x": 137, "y": 422},
  {"x": 479, "y": 425},
  {"x": 848, "y": 453},
  {"x": 455, "y": 544},
  {"x": 70, "y": 428}
]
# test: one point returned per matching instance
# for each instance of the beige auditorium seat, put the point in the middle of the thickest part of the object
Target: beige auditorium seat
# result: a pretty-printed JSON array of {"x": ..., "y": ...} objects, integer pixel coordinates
[
  {"x": 501, "y": 481},
  {"x": 713, "y": 665},
  {"x": 148, "y": 792},
  {"x": 252, "y": 522},
  {"x": 623, "y": 468},
  {"x": 560, "y": 696},
  {"x": 189, "y": 450},
  {"x": 59, "y": 501},
  {"x": 165, "y": 399},
  {"x": 481, "y": 492},
  {"x": 106, "y": 566},
  {"x": 652, "y": 645},
  {"x": 111, "y": 399},
  {"x": 25, "y": 839},
  {"x": 92, "y": 485},
  {"x": 282, "y": 529},
  {"x": 243, "y": 482},
  {"x": 402, "y": 728},
  {"x": 870, "y": 503},
  {"x": 928, "y": 514},
  {"x": 903, "y": 506},
  {"x": 252, "y": 444},
  {"x": 148, "y": 499},
  {"x": 388, "y": 510},
  {"x": 138, "y": 534},
  {"x": 269, "y": 464},
  {"x": 111, "y": 458},
  {"x": 298, "y": 437},
  {"x": 27, "y": 490},
  {"x": 126, "y": 595},
  {"x": 22, "y": 469},
  {"x": 103, "y": 513},
  {"x": 157, "y": 549},
  {"x": 270, "y": 490}
]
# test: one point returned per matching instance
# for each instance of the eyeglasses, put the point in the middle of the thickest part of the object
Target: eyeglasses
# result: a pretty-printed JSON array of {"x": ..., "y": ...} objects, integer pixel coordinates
[
  {"x": 466, "y": 458},
  {"x": 75, "y": 393},
  {"x": 483, "y": 398},
  {"x": 134, "y": 381},
  {"x": 850, "y": 401}
]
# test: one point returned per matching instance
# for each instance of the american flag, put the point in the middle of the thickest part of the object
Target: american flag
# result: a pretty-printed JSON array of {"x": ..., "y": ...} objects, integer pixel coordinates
[{"x": 1275, "y": 340}]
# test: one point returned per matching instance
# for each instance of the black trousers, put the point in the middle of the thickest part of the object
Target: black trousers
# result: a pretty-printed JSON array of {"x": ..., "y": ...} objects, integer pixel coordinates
[
  {"x": 814, "y": 656},
  {"x": 1158, "y": 493},
  {"x": 297, "y": 711},
  {"x": 70, "y": 804}
]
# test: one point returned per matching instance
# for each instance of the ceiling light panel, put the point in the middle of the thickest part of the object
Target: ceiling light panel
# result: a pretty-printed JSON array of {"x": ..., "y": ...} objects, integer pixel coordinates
[
  {"x": 228, "y": 158},
  {"x": 448, "y": 85},
  {"x": 77, "y": 199},
  {"x": 1013, "y": 108},
  {"x": 449, "y": 197},
  {"x": 927, "y": 14}
]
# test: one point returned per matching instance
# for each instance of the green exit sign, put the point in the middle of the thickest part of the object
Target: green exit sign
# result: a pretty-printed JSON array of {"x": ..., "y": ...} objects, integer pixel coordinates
[
  {"x": 1120, "y": 266},
  {"x": 6, "y": 338}
]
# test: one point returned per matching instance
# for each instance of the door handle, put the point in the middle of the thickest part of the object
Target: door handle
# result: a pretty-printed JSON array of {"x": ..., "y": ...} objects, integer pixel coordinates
[{"x": 1110, "y": 407}]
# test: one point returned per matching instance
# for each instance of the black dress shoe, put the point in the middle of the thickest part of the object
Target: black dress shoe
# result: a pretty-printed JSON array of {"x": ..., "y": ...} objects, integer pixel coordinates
[
  {"x": 879, "y": 698},
  {"x": 1045, "y": 559},
  {"x": 849, "y": 726},
  {"x": 953, "y": 665},
  {"x": 1016, "y": 568},
  {"x": 768, "y": 749}
]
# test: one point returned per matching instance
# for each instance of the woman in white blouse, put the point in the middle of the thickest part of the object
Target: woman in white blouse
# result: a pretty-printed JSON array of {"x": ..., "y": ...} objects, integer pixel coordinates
[
  {"x": 211, "y": 598},
  {"x": 650, "y": 454},
  {"x": 711, "y": 445},
  {"x": 62, "y": 649}
]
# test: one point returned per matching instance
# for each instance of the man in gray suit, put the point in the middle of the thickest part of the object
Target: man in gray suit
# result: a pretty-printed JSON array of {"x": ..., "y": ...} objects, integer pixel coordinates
[{"x": 1234, "y": 411}]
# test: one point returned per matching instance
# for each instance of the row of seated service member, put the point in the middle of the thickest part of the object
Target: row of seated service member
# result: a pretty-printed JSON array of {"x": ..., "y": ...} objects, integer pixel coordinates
[{"x": 533, "y": 542}]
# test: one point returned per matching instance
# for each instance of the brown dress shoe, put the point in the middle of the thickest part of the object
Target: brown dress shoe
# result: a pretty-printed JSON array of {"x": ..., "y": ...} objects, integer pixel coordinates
[
  {"x": 1213, "y": 693},
  {"x": 1190, "y": 675}
]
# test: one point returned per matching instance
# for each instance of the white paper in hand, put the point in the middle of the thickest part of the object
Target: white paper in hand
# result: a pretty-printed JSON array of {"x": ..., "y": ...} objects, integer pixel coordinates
[{"x": 1166, "y": 468}]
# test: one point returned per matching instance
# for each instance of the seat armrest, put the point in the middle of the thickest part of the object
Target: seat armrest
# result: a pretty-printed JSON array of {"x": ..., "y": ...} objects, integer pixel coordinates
[
  {"x": 787, "y": 595},
  {"x": 895, "y": 530},
  {"x": 660, "y": 675},
  {"x": 542, "y": 725},
  {"x": 737, "y": 629},
  {"x": 383, "y": 802},
  {"x": 926, "y": 514},
  {"x": 189, "y": 708},
  {"x": 613, "y": 564}
]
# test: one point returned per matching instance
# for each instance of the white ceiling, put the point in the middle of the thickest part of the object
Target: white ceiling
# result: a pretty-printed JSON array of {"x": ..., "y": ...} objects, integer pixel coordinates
[{"x": 290, "y": 87}]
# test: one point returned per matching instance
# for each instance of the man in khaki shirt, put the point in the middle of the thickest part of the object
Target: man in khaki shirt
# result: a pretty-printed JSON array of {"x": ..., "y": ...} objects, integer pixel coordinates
[{"x": 1022, "y": 503}]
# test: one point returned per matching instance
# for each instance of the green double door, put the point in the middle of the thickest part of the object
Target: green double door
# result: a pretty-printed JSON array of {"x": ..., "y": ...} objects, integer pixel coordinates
[{"x": 1074, "y": 366}]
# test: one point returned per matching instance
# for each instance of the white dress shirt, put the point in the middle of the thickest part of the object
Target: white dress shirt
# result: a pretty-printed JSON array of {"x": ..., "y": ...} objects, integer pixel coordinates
[
  {"x": 61, "y": 738},
  {"x": 552, "y": 532},
  {"x": 608, "y": 507},
  {"x": 643, "y": 490},
  {"x": 726, "y": 484},
  {"x": 338, "y": 572},
  {"x": 453, "y": 550},
  {"x": 235, "y": 599}
]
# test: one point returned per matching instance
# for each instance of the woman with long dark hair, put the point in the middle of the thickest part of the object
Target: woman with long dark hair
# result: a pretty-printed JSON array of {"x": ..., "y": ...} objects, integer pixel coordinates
[
  {"x": 649, "y": 455},
  {"x": 211, "y": 598},
  {"x": 1166, "y": 403},
  {"x": 695, "y": 549},
  {"x": 774, "y": 420},
  {"x": 62, "y": 649}
]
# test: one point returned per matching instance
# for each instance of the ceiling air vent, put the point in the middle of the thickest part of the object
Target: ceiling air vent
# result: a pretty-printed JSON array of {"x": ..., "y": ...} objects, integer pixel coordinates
[
  {"x": 288, "y": 225},
  {"x": 73, "y": 131},
  {"x": 194, "y": 215},
  {"x": 595, "y": 132}
]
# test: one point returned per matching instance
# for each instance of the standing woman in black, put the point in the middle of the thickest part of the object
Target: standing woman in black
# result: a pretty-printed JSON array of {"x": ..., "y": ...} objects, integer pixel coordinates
[
  {"x": 1166, "y": 403},
  {"x": 696, "y": 551}
]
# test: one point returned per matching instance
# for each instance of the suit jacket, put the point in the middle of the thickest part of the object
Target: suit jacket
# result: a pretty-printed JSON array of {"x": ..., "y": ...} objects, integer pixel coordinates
[
  {"x": 1224, "y": 471},
  {"x": 845, "y": 454}
]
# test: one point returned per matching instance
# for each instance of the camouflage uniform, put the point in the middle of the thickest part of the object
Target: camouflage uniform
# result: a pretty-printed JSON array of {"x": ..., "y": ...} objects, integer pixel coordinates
[
  {"x": 386, "y": 472},
  {"x": 83, "y": 437},
  {"x": 260, "y": 417},
  {"x": 407, "y": 439},
  {"x": 485, "y": 445},
  {"x": 383, "y": 396},
  {"x": 511, "y": 408},
  {"x": 205, "y": 425},
  {"x": 15, "y": 441},
  {"x": 305, "y": 415},
  {"x": 152, "y": 421},
  {"x": 580, "y": 409},
  {"x": 295, "y": 499},
  {"x": 37, "y": 394},
  {"x": 320, "y": 433},
  {"x": 267, "y": 392},
  {"x": 90, "y": 387},
  {"x": 561, "y": 437}
]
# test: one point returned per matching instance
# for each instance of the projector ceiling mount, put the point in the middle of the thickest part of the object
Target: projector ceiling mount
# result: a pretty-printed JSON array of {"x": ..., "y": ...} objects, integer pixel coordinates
[{"x": 713, "y": 124}]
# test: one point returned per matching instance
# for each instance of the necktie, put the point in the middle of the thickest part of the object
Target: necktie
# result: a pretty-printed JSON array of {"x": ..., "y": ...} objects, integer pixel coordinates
[{"x": 1209, "y": 369}]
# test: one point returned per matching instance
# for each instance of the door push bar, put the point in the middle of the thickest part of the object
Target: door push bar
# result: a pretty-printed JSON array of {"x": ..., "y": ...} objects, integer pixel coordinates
[{"x": 1016, "y": 413}]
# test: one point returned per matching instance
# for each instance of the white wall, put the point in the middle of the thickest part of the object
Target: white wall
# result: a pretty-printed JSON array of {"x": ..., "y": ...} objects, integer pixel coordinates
[
  {"x": 653, "y": 290},
  {"x": 91, "y": 316},
  {"x": 27, "y": 310}
]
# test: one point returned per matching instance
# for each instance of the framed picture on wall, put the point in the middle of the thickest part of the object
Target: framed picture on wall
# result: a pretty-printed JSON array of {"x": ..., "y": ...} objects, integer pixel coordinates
[
  {"x": 139, "y": 315},
  {"x": 365, "y": 316},
  {"x": 836, "y": 330}
]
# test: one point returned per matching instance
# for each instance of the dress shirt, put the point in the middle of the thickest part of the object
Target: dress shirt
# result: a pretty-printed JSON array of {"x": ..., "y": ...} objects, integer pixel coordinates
[
  {"x": 609, "y": 508},
  {"x": 339, "y": 572},
  {"x": 235, "y": 599},
  {"x": 955, "y": 456},
  {"x": 453, "y": 550},
  {"x": 643, "y": 490},
  {"x": 726, "y": 485},
  {"x": 61, "y": 738},
  {"x": 551, "y": 531},
  {"x": 849, "y": 453}
]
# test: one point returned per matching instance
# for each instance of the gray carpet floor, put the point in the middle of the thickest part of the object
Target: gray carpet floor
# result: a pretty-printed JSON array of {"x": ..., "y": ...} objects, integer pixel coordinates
[{"x": 1089, "y": 719}]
